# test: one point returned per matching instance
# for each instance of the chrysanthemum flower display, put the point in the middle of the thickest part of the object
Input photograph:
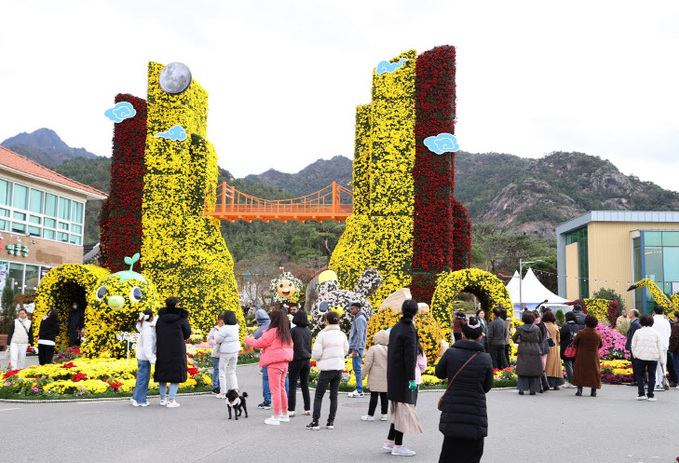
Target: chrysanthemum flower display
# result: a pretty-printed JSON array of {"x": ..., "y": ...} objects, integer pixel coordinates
[
  {"x": 484, "y": 285},
  {"x": 406, "y": 223}
]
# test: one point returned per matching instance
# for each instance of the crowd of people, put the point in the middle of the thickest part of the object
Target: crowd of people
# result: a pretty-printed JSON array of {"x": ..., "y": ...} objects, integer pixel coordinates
[{"x": 392, "y": 367}]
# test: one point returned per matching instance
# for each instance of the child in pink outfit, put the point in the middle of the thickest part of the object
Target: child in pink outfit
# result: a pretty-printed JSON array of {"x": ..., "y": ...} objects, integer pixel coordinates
[{"x": 277, "y": 352}]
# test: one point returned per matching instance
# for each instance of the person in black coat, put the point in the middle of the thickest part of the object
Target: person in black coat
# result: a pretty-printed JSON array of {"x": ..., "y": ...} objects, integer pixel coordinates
[
  {"x": 567, "y": 334},
  {"x": 76, "y": 323},
  {"x": 633, "y": 327},
  {"x": 172, "y": 329},
  {"x": 579, "y": 316},
  {"x": 300, "y": 366},
  {"x": 47, "y": 336},
  {"x": 401, "y": 386},
  {"x": 464, "y": 420}
]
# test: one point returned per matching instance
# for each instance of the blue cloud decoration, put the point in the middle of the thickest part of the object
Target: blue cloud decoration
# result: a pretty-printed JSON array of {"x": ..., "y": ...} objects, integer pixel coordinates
[
  {"x": 175, "y": 133},
  {"x": 442, "y": 143},
  {"x": 386, "y": 66},
  {"x": 120, "y": 112}
]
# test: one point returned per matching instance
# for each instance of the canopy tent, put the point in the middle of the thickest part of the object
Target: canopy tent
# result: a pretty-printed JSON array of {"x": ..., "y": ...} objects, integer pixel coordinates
[{"x": 533, "y": 293}]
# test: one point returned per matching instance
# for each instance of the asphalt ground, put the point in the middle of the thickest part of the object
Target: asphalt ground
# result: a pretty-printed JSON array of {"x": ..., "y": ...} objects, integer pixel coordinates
[{"x": 552, "y": 427}]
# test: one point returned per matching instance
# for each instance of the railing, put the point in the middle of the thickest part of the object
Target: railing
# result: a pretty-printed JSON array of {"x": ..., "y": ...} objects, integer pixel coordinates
[{"x": 333, "y": 202}]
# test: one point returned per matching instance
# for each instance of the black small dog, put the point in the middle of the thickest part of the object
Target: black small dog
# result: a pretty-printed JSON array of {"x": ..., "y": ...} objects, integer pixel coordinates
[{"x": 237, "y": 402}]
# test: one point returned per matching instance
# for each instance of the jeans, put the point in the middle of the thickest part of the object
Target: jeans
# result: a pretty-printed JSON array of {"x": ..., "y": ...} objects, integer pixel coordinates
[
  {"x": 266, "y": 390},
  {"x": 215, "y": 372},
  {"x": 384, "y": 403},
  {"x": 325, "y": 377},
  {"x": 227, "y": 372},
  {"x": 277, "y": 377},
  {"x": 299, "y": 369},
  {"x": 568, "y": 364},
  {"x": 141, "y": 388},
  {"x": 17, "y": 356},
  {"x": 356, "y": 364},
  {"x": 162, "y": 389},
  {"x": 497, "y": 355},
  {"x": 642, "y": 365}
]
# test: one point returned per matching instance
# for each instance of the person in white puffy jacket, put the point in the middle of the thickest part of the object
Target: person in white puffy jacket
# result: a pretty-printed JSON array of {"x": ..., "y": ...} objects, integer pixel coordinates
[
  {"x": 329, "y": 350},
  {"x": 647, "y": 349},
  {"x": 146, "y": 356},
  {"x": 228, "y": 339}
]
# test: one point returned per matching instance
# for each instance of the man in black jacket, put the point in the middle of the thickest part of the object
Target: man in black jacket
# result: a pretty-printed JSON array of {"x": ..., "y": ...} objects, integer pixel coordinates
[{"x": 497, "y": 334}]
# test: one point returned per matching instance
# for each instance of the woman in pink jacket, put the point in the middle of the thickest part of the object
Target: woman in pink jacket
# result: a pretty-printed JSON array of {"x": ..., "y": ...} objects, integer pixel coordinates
[{"x": 277, "y": 352}]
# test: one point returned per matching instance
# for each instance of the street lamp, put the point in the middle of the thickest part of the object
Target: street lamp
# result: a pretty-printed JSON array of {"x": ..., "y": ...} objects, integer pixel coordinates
[{"x": 521, "y": 264}]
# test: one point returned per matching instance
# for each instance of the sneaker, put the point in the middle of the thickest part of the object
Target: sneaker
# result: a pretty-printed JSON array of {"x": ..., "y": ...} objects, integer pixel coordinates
[
  {"x": 330, "y": 425},
  {"x": 272, "y": 421},
  {"x": 641, "y": 397},
  {"x": 144, "y": 404},
  {"x": 402, "y": 452},
  {"x": 264, "y": 406},
  {"x": 313, "y": 426},
  {"x": 173, "y": 404},
  {"x": 163, "y": 402},
  {"x": 568, "y": 386},
  {"x": 291, "y": 414},
  {"x": 367, "y": 418},
  {"x": 384, "y": 417},
  {"x": 221, "y": 396},
  {"x": 355, "y": 395},
  {"x": 388, "y": 445},
  {"x": 652, "y": 399},
  {"x": 658, "y": 388},
  {"x": 135, "y": 403},
  {"x": 284, "y": 419},
  {"x": 215, "y": 390},
  {"x": 307, "y": 412}
]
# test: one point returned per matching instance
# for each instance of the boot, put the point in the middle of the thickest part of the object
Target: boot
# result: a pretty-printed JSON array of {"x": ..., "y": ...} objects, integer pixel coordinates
[
  {"x": 579, "y": 393},
  {"x": 593, "y": 393}
]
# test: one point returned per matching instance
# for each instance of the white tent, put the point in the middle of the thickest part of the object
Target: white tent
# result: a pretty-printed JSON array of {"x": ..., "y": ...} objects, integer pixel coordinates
[{"x": 533, "y": 293}]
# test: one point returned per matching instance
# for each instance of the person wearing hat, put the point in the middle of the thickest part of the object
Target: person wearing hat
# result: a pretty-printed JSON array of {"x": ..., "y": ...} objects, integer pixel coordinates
[{"x": 357, "y": 338}]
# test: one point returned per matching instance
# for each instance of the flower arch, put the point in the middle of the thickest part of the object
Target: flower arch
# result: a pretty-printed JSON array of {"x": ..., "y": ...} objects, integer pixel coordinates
[
  {"x": 61, "y": 286},
  {"x": 484, "y": 285}
]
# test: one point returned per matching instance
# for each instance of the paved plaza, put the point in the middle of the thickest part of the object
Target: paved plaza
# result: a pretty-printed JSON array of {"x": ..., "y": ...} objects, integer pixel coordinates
[{"x": 551, "y": 427}]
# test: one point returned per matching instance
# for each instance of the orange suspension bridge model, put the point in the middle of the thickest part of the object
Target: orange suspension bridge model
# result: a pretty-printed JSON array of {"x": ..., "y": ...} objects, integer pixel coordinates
[{"x": 333, "y": 202}]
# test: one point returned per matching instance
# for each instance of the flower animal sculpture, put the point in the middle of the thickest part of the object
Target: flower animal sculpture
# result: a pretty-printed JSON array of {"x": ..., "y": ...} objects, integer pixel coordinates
[
  {"x": 660, "y": 298},
  {"x": 286, "y": 288},
  {"x": 115, "y": 307},
  {"x": 331, "y": 297}
]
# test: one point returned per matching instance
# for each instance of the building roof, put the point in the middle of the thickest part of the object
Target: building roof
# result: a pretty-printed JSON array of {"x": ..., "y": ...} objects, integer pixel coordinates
[
  {"x": 16, "y": 163},
  {"x": 618, "y": 216}
]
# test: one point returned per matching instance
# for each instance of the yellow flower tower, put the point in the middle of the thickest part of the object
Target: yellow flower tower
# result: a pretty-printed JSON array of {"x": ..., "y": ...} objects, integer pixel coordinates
[{"x": 183, "y": 252}]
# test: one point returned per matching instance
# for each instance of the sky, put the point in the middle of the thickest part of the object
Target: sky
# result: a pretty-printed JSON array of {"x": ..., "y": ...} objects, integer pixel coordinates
[{"x": 284, "y": 77}]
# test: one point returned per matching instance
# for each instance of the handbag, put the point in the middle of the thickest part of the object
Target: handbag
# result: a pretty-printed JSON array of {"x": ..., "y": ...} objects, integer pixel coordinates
[
  {"x": 571, "y": 351},
  {"x": 440, "y": 406},
  {"x": 664, "y": 382}
]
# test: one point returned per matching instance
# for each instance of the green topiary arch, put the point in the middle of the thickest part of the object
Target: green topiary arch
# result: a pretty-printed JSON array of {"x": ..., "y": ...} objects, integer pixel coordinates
[{"x": 484, "y": 285}]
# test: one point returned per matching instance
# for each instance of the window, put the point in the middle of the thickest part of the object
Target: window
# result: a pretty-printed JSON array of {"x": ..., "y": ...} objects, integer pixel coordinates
[
  {"x": 19, "y": 216},
  {"x": 34, "y": 231},
  {"x": 63, "y": 226},
  {"x": 4, "y": 225},
  {"x": 16, "y": 276},
  {"x": 31, "y": 279},
  {"x": 36, "y": 201},
  {"x": 35, "y": 220},
  {"x": 51, "y": 223},
  {"x": 77, "y": 229},
  {"x": 20, "y": 197},
  {"x": 5, "y": 193},
  {"x": 48, "y": 234},
  {"x": 75, "y": 239},
  {"x": 18, "y": 228},
  {"x": 63, "y": 237},
  {"x": 50, "y": 205},
  {"x": 77, "y": 215},
  {"x": 64, "y": 208}
]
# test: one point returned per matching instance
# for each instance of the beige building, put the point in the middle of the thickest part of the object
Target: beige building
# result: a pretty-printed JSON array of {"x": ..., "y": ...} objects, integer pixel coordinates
[
  {"x": 614, "y": 249},
  {"x": 42, "y": 216}
]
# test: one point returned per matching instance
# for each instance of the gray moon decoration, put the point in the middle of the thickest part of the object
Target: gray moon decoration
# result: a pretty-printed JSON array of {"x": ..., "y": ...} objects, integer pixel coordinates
[{"x": 175, "y": 78}]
